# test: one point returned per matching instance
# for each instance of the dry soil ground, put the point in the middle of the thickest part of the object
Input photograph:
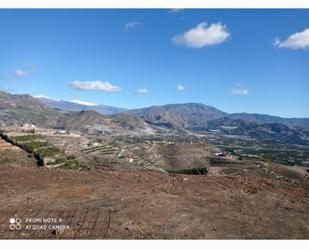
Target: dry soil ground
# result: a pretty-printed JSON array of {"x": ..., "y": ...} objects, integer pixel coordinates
[{"x": 150, "y": 205}]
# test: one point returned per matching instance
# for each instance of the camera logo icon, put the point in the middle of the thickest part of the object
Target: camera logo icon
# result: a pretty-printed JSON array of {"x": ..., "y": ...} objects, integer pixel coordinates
[{"x": 15, "y": 224}]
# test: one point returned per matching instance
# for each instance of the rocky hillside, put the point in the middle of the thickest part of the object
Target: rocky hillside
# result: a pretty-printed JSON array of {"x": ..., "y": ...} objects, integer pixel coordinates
[
  {"x": 79, "y": 120},
  {"x": 267, "y": 119},
  {"x": 268, "y": 132},
  {"x": 92, "y": 120},
  {"x": 179, "y": 116},
  {"x": 128, "y": 121},
  {"x": 23, "y": 108},
  {"x": 18, "y": 109}
]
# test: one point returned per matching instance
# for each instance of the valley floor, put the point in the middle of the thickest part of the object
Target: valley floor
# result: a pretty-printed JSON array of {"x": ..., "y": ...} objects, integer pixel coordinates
[{"x": 150, "y": 205}]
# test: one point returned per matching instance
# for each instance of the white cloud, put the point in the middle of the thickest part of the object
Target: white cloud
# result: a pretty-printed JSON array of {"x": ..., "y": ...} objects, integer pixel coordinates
[
  {"x": 202, "y": 35},
  {"x": 238, "y": 90},
  {"x": 20, "y": 73},
  {"x": 96, "y": 85},
  {"x": 180, "y": 88},
  {"x": 132, "y": 25},
  {"x": 142, "y": 91},
  {"x": 81, "y": 102},
  {"x": 299, "y": 40}
]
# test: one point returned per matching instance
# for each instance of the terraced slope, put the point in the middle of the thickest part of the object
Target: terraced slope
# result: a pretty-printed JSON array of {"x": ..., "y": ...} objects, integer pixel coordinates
[
  {"x": 45, "y": 153},
  {"x": 11, "y": 155}
]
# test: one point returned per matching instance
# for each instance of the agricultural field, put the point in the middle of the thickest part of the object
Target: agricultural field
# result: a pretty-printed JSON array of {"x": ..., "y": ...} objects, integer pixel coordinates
[
  {"x": 286, "y": 154},
  {"x": 46, "y": 154}
]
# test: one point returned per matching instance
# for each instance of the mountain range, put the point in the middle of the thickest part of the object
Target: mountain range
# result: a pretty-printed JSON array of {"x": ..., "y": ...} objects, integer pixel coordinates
[
  {"x": 195, "y": 116},
  {"x": 267, "y": 119},
  {"x": 80, "y": 106},
  {"x": 268, "y": 132},
  {"x": 178, "y": 116},
  {"x": 23, "y": 108},
  {"x": 192, "y": 117}
]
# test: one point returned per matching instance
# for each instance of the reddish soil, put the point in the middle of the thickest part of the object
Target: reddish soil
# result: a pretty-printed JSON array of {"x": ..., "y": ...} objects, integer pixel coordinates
[{"x": 155, "y": 205}]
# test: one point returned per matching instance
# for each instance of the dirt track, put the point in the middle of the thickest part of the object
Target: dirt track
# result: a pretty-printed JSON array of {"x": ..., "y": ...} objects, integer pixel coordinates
[{"x": 154, "y": 205}]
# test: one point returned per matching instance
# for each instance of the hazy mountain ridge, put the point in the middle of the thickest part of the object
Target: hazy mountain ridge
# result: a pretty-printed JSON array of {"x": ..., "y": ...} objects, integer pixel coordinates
[
  {"x": 72, "y": 106},
  {"x": 193, "y": 115},
  {"x": 268, "y": 132},
  {"x": 22, "y": 108},
  {"x": 264, "y": 119}
]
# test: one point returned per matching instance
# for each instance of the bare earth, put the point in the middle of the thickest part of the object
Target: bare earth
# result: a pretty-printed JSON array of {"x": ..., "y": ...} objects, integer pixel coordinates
[
  {"x": 141, "y": 204},
  {"x": 152, "y": 205}
]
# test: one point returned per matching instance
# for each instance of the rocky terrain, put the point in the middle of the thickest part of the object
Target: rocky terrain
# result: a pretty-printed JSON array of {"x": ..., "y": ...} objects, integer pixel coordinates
[
  {"x": 179, "y": 115},
  {"x": 22, "y": 108},
  {"x": 271, "y": 132}
]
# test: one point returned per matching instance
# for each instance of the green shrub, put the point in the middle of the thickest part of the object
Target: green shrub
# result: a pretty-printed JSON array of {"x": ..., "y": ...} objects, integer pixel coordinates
[
  {"x": 72, "y": 165},
  {"x": 24, "y": 138},
  {"x": 49, "y": 151}
]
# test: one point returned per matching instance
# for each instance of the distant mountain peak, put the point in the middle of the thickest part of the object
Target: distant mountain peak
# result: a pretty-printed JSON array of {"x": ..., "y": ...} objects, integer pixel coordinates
[
  {"x": 82, "y": 102},
  {"x": 179, "y": 115},
  {"x": 41, "y": 97},
  {"x": 76, "y": 101},
  {"x": 79, "y": 105}
]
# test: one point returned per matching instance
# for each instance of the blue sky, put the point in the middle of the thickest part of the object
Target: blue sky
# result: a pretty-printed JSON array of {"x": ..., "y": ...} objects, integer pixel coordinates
[{"x": 253, "y": 61}]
